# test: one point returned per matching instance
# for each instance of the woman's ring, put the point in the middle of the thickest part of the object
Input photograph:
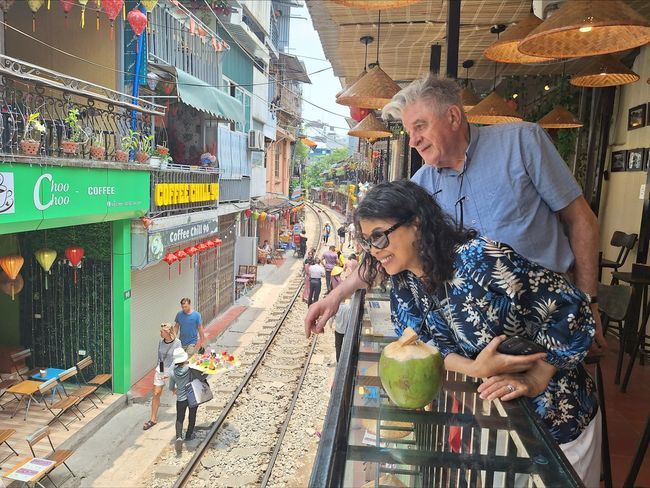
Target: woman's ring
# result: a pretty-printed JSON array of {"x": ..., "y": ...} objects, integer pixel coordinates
[{"x": 510, "y": 388}]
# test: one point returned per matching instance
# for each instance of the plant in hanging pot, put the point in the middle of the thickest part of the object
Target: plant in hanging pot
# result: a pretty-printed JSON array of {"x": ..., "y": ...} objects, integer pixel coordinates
[
  {"x": 70, "y": 143},
  {"x": 144, "y": 151},
  {"x": 29, "y": 145},
  {"x": 97, "y": 147},
  {"x": 162, "y": 157},
  {"x": 128, "y": 143}
]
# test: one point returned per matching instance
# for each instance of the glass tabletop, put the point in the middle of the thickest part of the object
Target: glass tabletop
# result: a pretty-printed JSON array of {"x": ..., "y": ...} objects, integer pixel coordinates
[{"x": 458, "y": 440}]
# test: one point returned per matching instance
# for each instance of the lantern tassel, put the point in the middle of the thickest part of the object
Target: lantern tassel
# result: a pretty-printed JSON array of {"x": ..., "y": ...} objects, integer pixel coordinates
[
  {"x": 112, "y": 30},
  {"x": 179, "y": 267},
  {"x": 46, "y": 281},
  {"x": 13, "y": 294},
  {"x": 75, "y": 276},
  {"x": 124, "y": 11},
  {"x": 83, "y": 17},
  {"x": 97, "y": 22},
  {"x": 48, "y": 4},
  {"x": 34, "y": 22}
]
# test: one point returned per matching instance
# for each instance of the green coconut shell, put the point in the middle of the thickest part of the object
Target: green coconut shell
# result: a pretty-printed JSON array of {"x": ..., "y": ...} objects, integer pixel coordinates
[{"x": 411, "y": 371}]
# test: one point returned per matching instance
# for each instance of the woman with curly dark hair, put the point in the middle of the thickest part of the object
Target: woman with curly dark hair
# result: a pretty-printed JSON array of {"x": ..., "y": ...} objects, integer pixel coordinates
[{"x": 465, "y": 294}]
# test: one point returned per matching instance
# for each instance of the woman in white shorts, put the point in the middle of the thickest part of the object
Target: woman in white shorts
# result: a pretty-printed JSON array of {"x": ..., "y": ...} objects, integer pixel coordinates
[{"x": 168, "y": 342}]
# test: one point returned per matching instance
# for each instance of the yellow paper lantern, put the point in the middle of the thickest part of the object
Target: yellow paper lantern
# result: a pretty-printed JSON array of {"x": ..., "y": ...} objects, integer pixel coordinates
[
  {"x": 149, "y": 4},
  {"x": 45, "y": 258},
  {"x": 34, "y": 6}
]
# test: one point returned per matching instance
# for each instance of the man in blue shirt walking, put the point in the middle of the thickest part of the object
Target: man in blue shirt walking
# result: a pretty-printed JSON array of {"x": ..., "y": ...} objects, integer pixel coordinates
[{"x": 189, "y": 327}]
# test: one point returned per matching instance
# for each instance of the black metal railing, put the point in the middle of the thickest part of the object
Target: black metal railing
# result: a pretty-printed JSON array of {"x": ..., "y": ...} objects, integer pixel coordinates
[{"x": 104, "y": 116}]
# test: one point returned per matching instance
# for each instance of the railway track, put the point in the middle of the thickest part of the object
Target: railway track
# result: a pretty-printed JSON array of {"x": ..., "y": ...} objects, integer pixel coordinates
[{"x": 258, "y": 413}]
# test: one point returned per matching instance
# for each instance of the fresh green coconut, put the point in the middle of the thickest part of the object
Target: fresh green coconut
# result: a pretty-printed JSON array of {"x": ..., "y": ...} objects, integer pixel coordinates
[{"x": 411, "y": 371}]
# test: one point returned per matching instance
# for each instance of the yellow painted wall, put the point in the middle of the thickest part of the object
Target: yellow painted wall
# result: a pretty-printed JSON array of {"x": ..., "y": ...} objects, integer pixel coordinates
[
  {"x": 620, "y": 207},
  {"x": 51, "y": 28}
]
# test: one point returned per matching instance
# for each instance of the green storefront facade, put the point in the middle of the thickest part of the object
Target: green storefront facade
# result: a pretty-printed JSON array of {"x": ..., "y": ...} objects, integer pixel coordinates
[{"x": 84, "y": 310}]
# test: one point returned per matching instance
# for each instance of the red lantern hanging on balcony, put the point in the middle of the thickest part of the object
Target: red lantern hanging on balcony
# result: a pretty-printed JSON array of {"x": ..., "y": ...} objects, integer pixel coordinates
[
  {"x": 359, "y": 114},
  {"x": 112, "y": 9},
  {"x": 191, "y": 251},
  {"x": 74, "y": 254},
  {"x": 138, "y": 22},
  {"x": 66, "y": 5},
  {"x": 11, "y": 265},
  {"x": 209, "y": 243},
  {"x": 217, "y": 242},
  {"x": 170, "y": 258},
  {"x": 247, "y": 213},
  {"x": 180, "y": 255}
]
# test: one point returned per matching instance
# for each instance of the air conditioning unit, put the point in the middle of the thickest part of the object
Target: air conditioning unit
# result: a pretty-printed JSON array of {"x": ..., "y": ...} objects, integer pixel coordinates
[{"x": 256, "y": 140}]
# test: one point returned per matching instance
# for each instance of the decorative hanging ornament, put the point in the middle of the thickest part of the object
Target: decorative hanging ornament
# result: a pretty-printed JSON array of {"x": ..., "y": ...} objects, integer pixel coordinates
[
  {"x": 11, "y": 287},
  {"x": 359, "y": 114},
  {"x": 5, "y": 5},
  {"x": 263, "y": 216},
  {"x": 66, "y": 5},
  {"x": 34, "y": 6},
  {"x": 191, "y": 251},
  {"x": 256, "y": 215},
  {"x": 248, "y": 212},
  {"x": 217, "y": 242},
  {"x": 180, "y": 255},
  {"x": 11, "y": 265},
  {"x": 83, "y": 4},
  {"x": 209, "y": 243},
  {"x": 170, "y": 258},
  {"x": 74, "y": 254},
  {"x": 45, "y": 258},
  {"x": 149, "y": 5},
  {"x": 138, "y": 22},
  {"x": 112, "y": 9}
]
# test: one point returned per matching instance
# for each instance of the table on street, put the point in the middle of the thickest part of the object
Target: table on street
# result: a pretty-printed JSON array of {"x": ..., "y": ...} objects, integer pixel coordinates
[{"x": 24, "y": 389}]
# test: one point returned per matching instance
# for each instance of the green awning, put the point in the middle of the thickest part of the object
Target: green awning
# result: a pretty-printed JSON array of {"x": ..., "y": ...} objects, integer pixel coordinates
[{"x": 201, "y": 96}]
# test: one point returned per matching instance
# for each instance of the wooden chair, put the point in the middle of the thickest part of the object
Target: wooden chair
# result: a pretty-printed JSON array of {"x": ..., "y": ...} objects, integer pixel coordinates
[
  {"x": 625, "y": 243},
  {"x": 98, "y": 380},
  {"x": 5, "y": 435},
  {"x": 59, "y": 457},
  {"x": 4, "y": 385},
  {"x": 64, "y": 405},
  {"x": 81, "y": 392},
  {"x": 252, "y": 269},
  {"x": 242, "y": 270},
  {"x": 613, "y": 304},
  {"x": 17, "y": 359}
]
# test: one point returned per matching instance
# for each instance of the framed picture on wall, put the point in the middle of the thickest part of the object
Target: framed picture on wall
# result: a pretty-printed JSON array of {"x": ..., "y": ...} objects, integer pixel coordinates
[
  {"x": 636, "y": 117},
  {"x": 619, "y": 161},
  {"x": 646, "y": 159},
  {"x": 635, "y": 159}
]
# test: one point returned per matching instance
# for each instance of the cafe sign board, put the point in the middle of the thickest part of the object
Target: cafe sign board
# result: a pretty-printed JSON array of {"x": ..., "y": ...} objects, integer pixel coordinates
[
  {"x": 160, "y": 242},
  {"x": 41, "y": 197}
]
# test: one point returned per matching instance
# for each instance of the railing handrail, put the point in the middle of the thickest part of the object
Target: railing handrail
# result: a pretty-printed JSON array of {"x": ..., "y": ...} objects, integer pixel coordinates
[{"x": 23, "y": 70}]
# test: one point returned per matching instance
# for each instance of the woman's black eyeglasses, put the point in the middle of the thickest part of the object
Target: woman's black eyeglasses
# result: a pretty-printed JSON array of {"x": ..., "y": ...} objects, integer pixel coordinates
[{"x": 378, "y": 239}]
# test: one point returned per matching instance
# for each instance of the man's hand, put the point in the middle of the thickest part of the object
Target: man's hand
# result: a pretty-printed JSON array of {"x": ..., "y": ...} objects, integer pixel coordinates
[
  {"x": 490, "y": 362},
  {"x": 320, "y": 312},
  {"x": 599, "y": 345}
]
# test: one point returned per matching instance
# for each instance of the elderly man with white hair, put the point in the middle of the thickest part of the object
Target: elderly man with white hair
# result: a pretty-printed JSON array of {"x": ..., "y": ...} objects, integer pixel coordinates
[{"x": 507, "y": 181}]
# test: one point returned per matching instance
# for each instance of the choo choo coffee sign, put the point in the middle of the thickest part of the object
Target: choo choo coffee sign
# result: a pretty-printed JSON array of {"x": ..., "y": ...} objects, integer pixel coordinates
[{"x": 40, "y": 197}]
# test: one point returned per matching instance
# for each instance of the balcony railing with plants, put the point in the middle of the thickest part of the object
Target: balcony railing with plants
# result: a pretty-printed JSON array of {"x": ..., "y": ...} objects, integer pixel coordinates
[{"x": 46, "y": 114}]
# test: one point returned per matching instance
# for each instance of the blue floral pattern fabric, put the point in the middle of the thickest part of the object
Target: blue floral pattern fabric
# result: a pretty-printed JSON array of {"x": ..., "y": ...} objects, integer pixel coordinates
[{"x": 496, "y": 291}]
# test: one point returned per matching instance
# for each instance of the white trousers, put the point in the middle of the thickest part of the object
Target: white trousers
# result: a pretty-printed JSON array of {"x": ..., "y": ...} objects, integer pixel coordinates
[{"x": 584, "y": 453}]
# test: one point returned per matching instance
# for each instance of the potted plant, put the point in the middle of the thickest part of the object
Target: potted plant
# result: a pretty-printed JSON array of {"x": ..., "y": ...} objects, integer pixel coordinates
[
  {"x": 97, "y": 149},
  {"x": 162, "y": 157},
  {"x": 70, "y": 144},
  {"x": 129, "y": 143},
  {"x": 28, "y": 144},
  {"x": 144, "y": 149}
]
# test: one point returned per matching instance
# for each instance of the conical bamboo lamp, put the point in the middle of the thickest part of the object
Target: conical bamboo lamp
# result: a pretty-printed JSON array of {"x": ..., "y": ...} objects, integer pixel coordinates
[
  {"x": 374, "y": 90},
  {"x": 559, "y": 118},
  {"x": 493, "y": 109},
  {"x": 604, "y": 71},
  {"x": 587, "y": 28},
  {"x": 370, "y": 128},
  {"x": 376, "y": 4},
  {"x": 504, "y": 50},
  {"x": 469, "y": 99}
]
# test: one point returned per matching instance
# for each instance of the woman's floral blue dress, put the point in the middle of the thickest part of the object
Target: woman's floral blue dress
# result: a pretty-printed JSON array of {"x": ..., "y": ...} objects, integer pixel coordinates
[{"x": 496, "y": 291}]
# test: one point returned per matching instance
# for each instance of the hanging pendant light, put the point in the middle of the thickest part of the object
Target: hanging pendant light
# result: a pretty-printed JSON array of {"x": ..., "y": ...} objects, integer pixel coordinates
[
  {"x": 504, "y": 49},
  {"x": 560, "y": 118},
  {"x": 467, "y": 97},
  {"x": 376, "y": 4},
  {"x": 363, "y": 40},
  {"x": 604, "y": 71},
  {"x": 373, "y": 90},
  {"x": 370, "y": 128},
  {"x": 581, "y": 28},
  {"x": 494, "y": 109}
]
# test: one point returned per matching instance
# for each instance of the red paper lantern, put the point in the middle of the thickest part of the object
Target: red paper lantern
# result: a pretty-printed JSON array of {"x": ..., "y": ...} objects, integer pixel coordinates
[
  {"x": 248, "y": 212},
  {"x": 138, "y": 22},
  {"x": 112, "y": 9},
  {"x": 146, "y": 222},
  {"x": 191, "y": 251},
  {"x": 359, "y": 114},
  {"x": 67, "y": 7},
  {"x": 74, "y": 254},
  {"x": 217, "y": 242},
  {"x": 209, "y": 243},
  {"x": 180, "y": 255},
  {"x": 170, "y": 258},
  {"x": 201, "y": 247}
]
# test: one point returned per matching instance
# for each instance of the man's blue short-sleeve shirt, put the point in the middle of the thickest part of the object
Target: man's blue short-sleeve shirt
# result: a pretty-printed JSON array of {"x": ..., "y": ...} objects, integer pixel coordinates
[{"x": 189, "y": 327}]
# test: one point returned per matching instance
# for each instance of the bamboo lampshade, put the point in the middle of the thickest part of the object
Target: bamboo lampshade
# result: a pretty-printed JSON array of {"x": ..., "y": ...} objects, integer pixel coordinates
[
  {"x": 604, "y": 71},
  {"x": 559, "y": 118},
  {"x": 370, "y": 128},
  {"x": 587, "y": 28},
  {"x": 350, "y": 83},
  {"x": 493, "y": 109},
  {"x": 468, "y": 99},
  {"x": 504, "y": 50},
  {"x": 376, "y": 4},
  {"x": 374, "y": 90}
]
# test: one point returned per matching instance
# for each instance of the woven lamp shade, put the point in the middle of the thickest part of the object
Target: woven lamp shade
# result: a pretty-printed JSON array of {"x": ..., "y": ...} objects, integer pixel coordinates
[
  {"x": 493, "y": 109},
  {"x": 370, "y": 128},
  {"x": 604, "y": 71},
  {"x": 468, "y": 99},
  {"x": 376, "y": 4},
  {"x": 350, "y": 83},
  {"x": 559, "y": 118},
  {"x": 504, "y": 50},
  {"x": 587, "y": 28},
  {"x": 374, "y": 90}
]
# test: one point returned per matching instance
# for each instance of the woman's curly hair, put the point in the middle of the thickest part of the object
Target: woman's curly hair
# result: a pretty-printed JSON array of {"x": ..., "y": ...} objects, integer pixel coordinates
[{"x": 406, "y": 202}]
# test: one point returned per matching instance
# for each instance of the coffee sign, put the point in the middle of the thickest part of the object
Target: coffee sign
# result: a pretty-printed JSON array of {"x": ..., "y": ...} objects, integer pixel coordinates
[
  {"x": 40, "y": 197},
  {"x": 176, "y": 236}
]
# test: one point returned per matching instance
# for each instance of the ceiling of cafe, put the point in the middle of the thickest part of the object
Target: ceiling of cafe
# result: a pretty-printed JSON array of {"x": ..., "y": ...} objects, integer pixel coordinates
[{"x": 407, "y": 35}]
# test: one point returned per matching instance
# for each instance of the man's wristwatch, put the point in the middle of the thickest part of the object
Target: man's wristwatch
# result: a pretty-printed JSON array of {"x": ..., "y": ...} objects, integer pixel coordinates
[{"x": 593, "y": 300}]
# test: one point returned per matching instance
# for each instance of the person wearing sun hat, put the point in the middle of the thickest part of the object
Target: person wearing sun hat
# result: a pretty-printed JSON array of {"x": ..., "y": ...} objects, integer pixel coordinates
[
  {"x": 337, "y": 272},
  {"x": 178, "y": 380}
]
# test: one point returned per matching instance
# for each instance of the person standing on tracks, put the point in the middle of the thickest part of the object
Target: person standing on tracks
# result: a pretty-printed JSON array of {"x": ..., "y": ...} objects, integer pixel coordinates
[
  {"x": 341, "y": 232},
  {"x": 303, "y": 244},
  {"x": 330, "y": 259},
  {"x": 327, "y": 230},
  {"x": 341, "y": 321},
  {"x": 350, "y": 265},
  {"x": 309, "y": 260},
  {"x": 166, "y": 347},
  {"x": 179, "y": 378},
  {"x": 316, "y": 273},
  {"x": 351, "y": 234},
  {"x": 189, "y": 327}
]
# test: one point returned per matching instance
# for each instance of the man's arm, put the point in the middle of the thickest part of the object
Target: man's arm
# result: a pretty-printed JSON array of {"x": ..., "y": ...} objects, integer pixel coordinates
[
  {"x": 321, "y": 311},
  {"x": 177, "y": 328},
  {"x": 201, "y": 336},
  {"x": 582, "y": 230}
]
